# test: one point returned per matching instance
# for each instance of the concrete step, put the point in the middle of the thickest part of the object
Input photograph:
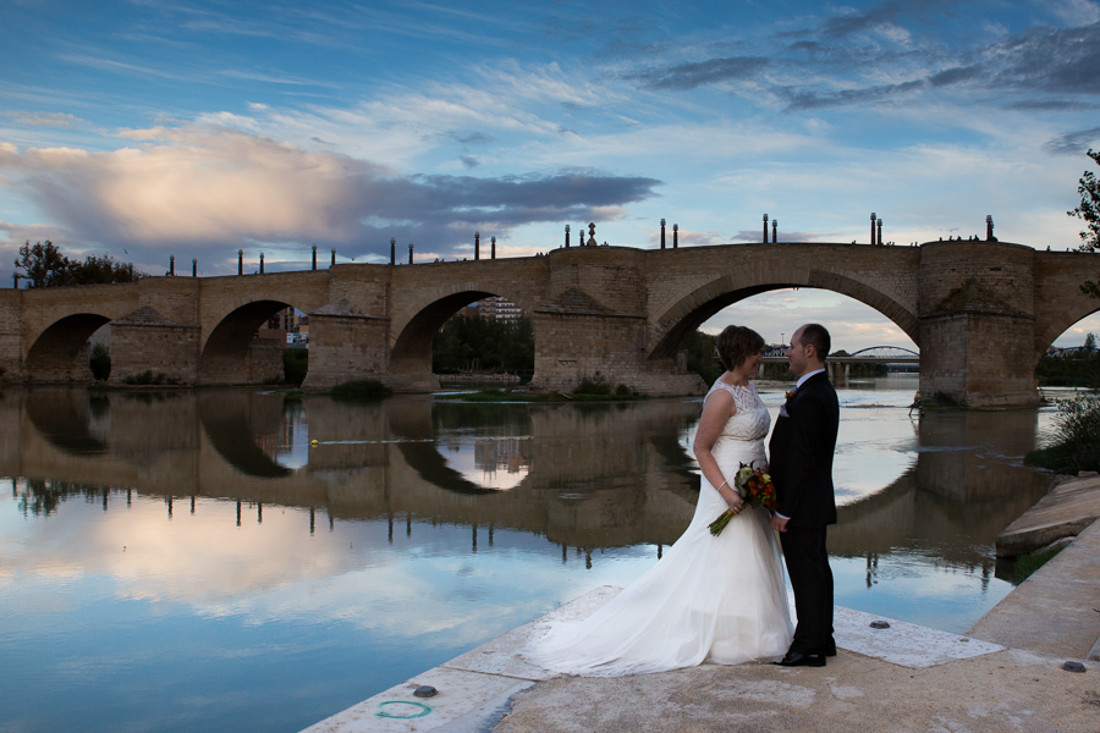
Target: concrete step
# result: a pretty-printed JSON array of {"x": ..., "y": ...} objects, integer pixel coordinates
[{"x": 1071, "y": 506}]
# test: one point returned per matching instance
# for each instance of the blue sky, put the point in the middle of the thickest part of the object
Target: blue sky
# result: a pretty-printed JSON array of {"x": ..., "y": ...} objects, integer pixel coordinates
[{"x": 192, "y": 128}]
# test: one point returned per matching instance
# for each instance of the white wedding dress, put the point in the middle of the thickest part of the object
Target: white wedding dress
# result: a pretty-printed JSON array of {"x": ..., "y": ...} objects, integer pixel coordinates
[{"x": 720, "y": 599}]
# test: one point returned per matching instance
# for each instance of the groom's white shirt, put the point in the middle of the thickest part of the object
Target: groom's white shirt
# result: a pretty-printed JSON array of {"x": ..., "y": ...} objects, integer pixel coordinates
[
  {"x": 798, "y": 384},
  {"x": 806, "y": 376}
]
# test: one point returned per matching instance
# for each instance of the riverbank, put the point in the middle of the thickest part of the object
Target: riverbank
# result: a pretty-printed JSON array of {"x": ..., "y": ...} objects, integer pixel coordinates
[{"x": 1008, "y": 672}]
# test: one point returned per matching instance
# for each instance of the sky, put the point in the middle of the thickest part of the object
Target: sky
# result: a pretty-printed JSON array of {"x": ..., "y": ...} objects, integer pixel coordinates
[{"x": 193, "y": 128}]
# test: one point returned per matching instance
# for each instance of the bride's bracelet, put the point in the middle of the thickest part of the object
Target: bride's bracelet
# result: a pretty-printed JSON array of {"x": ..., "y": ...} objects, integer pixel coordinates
[{"x": 721, "y": 485}]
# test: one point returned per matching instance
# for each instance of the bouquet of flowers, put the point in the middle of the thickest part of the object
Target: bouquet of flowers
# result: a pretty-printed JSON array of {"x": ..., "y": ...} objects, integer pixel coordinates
[{"x": 754, "y": 486}]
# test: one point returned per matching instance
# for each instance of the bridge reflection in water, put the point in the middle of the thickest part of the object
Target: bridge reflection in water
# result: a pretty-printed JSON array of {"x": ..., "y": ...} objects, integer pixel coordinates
[
  {"x": 583, "y": 476},
  {"x": 201, "y": 541}
]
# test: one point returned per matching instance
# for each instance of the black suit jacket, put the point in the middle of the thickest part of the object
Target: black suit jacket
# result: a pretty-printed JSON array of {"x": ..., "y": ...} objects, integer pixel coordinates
[{"x": 802, "y": 447}]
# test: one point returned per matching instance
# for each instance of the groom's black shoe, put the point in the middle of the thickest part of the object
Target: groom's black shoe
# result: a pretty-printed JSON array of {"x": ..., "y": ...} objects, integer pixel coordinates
[
  {"x": 798, "y": 659},
  {"x": 830, "y": 649}
]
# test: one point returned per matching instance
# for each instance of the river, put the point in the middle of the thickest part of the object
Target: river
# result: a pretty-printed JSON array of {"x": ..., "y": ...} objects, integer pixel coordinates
[{"x": 238, "y": 559}]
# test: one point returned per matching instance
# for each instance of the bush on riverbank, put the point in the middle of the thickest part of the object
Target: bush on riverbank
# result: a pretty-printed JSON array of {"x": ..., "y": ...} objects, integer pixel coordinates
[
  {"x": 295, "y": 366},
  {"x": 100, "y": 362},
  {"x": 1075, "y": 446}
]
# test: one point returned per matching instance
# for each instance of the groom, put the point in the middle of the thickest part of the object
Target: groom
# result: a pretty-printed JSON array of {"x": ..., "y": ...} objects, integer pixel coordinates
[{"x": 801, "y": 466}]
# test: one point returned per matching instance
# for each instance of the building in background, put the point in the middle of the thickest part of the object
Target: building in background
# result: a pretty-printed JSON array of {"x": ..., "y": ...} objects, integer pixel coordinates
[
  {"x": 498, "y": 308},
  {"x": 289, "y": 326}
]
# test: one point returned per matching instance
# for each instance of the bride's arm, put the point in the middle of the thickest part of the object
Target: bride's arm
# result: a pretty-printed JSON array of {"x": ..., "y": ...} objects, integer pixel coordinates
[{"x": 717, "y": 410}]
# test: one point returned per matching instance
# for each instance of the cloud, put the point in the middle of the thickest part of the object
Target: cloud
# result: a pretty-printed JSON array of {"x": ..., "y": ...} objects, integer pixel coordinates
[
  {"x": 808, "y": 99},
  {"x": 43, "y": 119},
  {"x": 867, "y": 57},
  {"x": 1073, "y": 143},
  {"x": 212, "y": 189},
  {"x": 712, "y": 71},
  {"x": 1076, "y": 12}
]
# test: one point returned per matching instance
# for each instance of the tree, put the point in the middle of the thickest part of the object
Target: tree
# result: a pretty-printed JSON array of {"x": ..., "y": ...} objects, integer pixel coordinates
[
  {"x": 1090, "y": 341},
  {"x": 1089, "y": 212},
  {"x": 103, "y": 269},
  {"x": 43, "y": 265},
  {"x": 476, "y": 344},
  {"x": 1089, "y": 209}
]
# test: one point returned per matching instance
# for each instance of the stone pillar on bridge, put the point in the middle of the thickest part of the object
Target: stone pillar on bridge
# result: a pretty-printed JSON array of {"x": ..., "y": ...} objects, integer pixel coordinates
[
  {"x": 977, "y": 325},
  {"x": 662, "y": 233},
  {"x": 345, "y": 344},
  {"x": 579, "y": 339},
  {"x": 145, "y": 341},
  {"x": 594, "y": 326},
  {"x": 11, "y": 333}
]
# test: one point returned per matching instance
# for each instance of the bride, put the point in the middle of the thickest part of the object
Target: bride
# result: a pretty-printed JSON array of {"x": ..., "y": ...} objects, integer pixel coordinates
[{"x": 710, "y": 598}]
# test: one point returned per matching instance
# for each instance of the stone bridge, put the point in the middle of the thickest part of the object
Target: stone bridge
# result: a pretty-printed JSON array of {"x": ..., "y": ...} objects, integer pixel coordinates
[{"x": 981, "y": 312}]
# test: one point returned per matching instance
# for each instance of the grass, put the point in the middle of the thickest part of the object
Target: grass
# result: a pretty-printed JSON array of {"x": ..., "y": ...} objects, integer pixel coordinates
[{"x": 1025, "y": 565}]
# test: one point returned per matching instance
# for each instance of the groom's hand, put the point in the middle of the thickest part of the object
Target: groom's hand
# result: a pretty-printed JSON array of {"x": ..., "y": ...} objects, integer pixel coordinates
[{"x": 779, "y": 524}]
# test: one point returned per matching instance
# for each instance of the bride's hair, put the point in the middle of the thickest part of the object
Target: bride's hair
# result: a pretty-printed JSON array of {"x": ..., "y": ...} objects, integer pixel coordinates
[{"x": 737, "y": 343}]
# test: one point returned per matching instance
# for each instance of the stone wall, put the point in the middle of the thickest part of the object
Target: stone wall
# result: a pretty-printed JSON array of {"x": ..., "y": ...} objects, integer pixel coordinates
[
  {"x": 11, "y": 320},
  {"x": 147, "y": 342},
  {"x": 977, "y": 324},
  {"x": 981, "y": 312}
]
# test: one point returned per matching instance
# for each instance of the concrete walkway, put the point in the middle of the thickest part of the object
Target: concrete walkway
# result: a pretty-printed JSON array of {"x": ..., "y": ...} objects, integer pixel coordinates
[{"x": 1006, "y": 674}]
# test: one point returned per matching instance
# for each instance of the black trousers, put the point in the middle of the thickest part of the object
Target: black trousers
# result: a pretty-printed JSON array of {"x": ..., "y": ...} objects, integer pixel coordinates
[{"x": 812, "y": 580}]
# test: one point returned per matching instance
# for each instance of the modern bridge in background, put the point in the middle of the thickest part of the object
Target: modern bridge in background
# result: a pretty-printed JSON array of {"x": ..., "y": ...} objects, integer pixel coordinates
[
  {"x": 895, "y": 358},
  {"x": 982, "y": 313}
]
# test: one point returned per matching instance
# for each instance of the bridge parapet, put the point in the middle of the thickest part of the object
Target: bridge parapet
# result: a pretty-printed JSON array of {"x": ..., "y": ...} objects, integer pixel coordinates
[{"x": 982, "y": 314}]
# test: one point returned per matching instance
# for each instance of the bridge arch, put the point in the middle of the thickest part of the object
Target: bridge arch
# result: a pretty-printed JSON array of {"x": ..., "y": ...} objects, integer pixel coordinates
[
  {"x": 883, "y": 352},
  {"x": 414, "y": 340},
  {"x": 231, "y": 354},
  {"x": 60, "y": 353},
  {"x": 695, "y": 308},
  {"x": 411, "y": 352},
  {"x": 1080, "y": 310}
]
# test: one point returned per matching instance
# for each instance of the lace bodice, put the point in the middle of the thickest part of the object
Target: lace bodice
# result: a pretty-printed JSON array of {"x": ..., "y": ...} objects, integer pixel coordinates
[{"x": 752, "y": 420}]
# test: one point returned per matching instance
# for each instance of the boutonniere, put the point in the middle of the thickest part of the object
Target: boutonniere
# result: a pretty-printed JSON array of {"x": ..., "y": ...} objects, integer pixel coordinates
[{"x": 783, "y": 408}]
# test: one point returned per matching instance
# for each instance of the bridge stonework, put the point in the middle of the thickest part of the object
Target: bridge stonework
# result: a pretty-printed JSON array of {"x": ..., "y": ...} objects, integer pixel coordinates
[{"x": 982, "y": 314}]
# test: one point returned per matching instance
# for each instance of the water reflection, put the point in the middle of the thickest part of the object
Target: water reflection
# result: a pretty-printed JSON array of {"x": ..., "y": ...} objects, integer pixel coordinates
[
  {"x": 379, "y": 540},
  {"x": 591, "y": 476}
]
